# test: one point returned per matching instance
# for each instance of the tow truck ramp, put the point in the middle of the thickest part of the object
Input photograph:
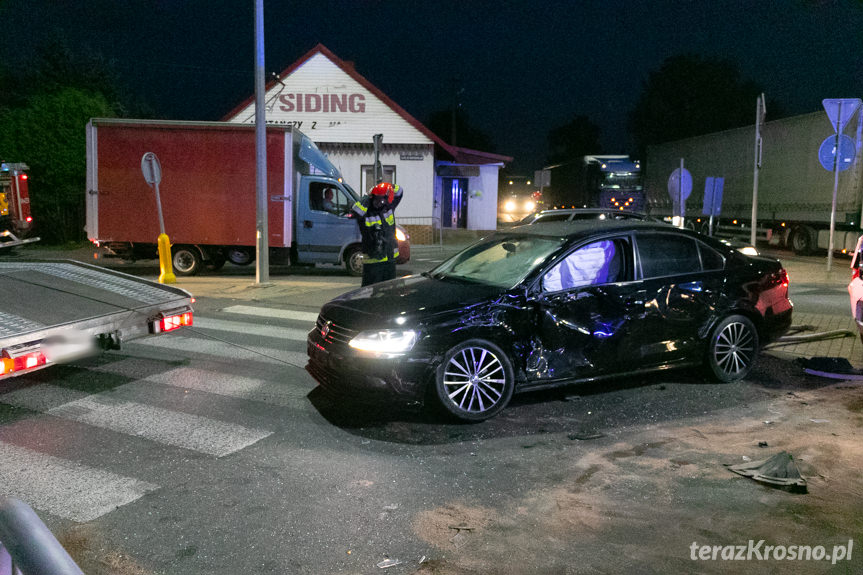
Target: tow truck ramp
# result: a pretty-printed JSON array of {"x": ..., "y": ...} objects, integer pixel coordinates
[{"x": 56, "y": 311}]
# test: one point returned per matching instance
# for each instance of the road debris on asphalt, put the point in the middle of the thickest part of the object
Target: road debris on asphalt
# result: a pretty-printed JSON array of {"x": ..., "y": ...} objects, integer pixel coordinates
[
  {"x": 585, "y": 436},
  {"x": 777, "y": 471},
  {"x": 389, "y": 563},
  {"x": 830, "y": 367}
]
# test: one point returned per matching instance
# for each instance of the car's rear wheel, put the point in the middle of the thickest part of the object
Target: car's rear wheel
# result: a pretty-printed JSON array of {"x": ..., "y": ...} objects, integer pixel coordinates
[
  {"x": 733, "y": 348},
  {"x": 475, "y": 380}
]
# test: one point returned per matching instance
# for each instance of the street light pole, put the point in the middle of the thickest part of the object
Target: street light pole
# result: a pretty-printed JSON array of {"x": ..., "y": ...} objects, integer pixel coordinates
[{"x": 262, "y": 238}]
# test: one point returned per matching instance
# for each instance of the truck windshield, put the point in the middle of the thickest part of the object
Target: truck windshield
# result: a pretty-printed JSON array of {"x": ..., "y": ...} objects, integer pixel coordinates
[
  {"x": 310, "y": 154},
  {"x": 351, "y": 192}
]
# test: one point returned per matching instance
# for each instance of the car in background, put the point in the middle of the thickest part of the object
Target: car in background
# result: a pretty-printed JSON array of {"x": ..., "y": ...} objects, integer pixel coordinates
[
  {"x": 574, "y": 214},
  {"x": 855, "y": 287},
  {"x": 545, "y": 305}
]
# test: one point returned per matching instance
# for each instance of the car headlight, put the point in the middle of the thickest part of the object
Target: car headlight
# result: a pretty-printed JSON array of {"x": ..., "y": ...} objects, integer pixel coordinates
[
  {"x": 529, "y": 205},
  {"x": 400, "y": 235},
  {"x": 509, "y": 206},
  {"x": 748, "y": 251},
  {"x": 386, "y": 341}
]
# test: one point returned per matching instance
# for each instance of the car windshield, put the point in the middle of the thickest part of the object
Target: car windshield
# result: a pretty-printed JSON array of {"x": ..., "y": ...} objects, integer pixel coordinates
[{"x": 501, "y": 262}]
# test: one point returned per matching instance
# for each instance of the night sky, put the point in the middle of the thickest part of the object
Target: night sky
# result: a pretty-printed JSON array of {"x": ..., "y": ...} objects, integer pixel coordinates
[{"x": 525, "y": 67}]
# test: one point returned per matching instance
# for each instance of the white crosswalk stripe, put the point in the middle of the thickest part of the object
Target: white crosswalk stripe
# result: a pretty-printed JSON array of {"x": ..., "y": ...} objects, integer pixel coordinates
[
  {"x": 273, "y": 313},
  {"x": 164, "y": 426},
  {"x": 292, "y": 334},
  {"x": 222, "y": 350},
  {"x": 64, "y": 488},
  {"x": 81, "y": 493}
]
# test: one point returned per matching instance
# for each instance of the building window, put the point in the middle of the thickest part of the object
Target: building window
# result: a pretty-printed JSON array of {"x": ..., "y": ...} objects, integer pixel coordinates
[{"x": 369, "y": 176}]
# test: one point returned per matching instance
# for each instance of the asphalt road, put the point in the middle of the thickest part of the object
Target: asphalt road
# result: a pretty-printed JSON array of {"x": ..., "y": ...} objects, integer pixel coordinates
[{"x": 210, "y": 451}]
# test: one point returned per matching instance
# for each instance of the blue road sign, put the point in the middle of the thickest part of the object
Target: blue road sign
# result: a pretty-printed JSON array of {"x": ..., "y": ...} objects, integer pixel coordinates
[
  {"x": 679, "y": 188},
  {"x": 847, "y": 152},
  {"x": 713, "y": 196},
  {"x": 844, "y": 106}
]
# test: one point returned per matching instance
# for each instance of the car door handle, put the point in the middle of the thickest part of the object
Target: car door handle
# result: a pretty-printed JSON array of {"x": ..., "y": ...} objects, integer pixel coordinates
[
  {"x": 308, "y": 224},
  {"x": 636, "y": 300}
]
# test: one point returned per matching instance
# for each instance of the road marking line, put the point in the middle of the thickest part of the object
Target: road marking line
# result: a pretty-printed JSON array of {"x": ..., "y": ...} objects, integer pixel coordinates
[
  {"x": 272, "y": 312},
  {"x": 164, "y": 426},
  {"x": 223, "y": 351},
  {"x": 65, "y": 488},
  {"x": 292, "y": 334},
  {"x": 271, "y": 393}
]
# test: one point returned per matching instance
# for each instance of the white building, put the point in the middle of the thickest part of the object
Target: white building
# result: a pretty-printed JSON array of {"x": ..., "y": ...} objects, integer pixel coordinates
[{"x": 328, "y": 100}]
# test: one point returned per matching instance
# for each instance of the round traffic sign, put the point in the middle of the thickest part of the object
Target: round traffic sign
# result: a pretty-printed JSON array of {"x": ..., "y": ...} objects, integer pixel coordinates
[
  {"x": 847, "y": 151},
  {"x": 679, "y": 188}
]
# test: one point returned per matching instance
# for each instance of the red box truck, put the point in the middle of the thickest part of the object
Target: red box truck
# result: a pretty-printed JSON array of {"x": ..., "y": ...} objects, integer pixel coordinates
[{"x": 208, "y": 195}]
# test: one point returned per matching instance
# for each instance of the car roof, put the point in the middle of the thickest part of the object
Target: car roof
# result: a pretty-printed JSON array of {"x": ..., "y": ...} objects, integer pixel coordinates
[
  {"x": 591, "y": 211},
  {"x": 576, "y": 228}
]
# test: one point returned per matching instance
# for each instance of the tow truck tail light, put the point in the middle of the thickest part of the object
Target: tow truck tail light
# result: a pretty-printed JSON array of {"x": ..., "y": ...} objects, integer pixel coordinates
[
  {"x": 24, "y": 362},
  {"x": 172, "y": 322}
]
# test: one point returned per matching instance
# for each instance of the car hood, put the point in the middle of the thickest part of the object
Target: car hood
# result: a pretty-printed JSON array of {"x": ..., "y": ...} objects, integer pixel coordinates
[{"x": 412, "y": 298}]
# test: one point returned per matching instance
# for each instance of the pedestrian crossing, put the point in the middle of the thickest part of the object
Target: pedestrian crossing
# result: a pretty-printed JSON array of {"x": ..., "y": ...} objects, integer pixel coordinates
[{"x": 268, "y": 342}]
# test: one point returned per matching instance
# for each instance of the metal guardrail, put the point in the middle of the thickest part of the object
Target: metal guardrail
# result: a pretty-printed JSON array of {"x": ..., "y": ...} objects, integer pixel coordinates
[{"x": 27, "y": 546}]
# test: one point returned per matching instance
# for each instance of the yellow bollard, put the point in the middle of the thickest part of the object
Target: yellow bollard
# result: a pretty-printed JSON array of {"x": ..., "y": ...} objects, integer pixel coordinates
[{"x": 167, "y": 275}]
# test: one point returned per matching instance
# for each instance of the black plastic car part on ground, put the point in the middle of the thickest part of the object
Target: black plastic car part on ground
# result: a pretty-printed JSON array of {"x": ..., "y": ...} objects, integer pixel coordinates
[{"x": 540, "y": 306}]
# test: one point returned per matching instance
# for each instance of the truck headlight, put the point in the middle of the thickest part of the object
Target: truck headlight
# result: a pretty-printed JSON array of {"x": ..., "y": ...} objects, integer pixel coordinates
[
  {"x": 386, "y": 341},
  {"x": 400, "y": 235}
]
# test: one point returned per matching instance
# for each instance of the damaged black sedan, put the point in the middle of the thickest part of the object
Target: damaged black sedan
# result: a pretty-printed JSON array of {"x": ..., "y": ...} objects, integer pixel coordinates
[{"x": 540, "y": 306}]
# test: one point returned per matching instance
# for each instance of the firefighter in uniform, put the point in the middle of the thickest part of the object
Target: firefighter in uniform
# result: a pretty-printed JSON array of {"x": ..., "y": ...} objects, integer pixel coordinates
[{"x": 374, "y": 214}]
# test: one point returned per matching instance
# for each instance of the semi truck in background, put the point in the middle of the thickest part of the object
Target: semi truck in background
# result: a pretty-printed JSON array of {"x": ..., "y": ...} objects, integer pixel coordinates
[
  {"x": 16, "y": 221},
  {"x": 795, "y": 193},
  {"x": 208, "y": 195},
  {"x": 614, "y": 182}
]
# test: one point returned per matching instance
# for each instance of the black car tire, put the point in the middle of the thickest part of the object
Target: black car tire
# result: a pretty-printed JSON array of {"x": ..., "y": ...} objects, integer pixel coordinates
[
  {"x": 186, "y": 260},
  {"x": 732, "y": 349},
  {"x": 475, "y": 380}
]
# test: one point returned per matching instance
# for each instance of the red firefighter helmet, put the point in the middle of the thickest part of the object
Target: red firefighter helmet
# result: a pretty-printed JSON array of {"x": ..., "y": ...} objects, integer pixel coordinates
[{"x": 384, "y": 189}]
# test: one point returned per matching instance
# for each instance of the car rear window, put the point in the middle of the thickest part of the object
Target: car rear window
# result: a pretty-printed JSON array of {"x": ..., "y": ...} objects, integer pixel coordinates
[
  {"x": 665, "y": 255},
  {"x": 710, "y": 258}
]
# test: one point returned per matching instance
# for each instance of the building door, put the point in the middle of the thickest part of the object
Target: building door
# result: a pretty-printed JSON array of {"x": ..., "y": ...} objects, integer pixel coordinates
[{"x": 454, "y": 203}]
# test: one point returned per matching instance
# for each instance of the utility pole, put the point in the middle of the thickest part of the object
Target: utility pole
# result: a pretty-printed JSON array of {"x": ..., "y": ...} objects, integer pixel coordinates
[
  {"x": 262, "y": 236},
  {"x": 760, "y": 112}
]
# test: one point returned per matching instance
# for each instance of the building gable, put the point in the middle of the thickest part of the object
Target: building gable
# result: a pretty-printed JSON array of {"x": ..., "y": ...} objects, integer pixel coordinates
[{"x": 327, "y": 100}]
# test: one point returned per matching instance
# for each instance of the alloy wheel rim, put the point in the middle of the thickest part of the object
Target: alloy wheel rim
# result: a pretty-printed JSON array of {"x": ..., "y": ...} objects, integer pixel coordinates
[
  {"x": 474, "y": 380},
  {"x": 734, "y": 348}
]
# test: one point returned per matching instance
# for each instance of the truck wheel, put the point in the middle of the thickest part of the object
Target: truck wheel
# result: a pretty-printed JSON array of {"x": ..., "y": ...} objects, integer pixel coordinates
[
  {"x": 801, "y": 241},
  {"x": 186, "y": 260},
  {"x": 216, "y": 263},
  {"x": 354, "y": 261},
  {"x": 240, "y": 256}
]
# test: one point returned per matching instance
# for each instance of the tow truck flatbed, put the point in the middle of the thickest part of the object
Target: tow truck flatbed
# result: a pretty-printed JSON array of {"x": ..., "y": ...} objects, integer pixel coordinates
[{"x": 58, "y": 310}]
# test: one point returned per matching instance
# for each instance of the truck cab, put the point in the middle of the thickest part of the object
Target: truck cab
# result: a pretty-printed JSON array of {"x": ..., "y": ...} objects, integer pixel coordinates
[{"x": 324, "y": 232}]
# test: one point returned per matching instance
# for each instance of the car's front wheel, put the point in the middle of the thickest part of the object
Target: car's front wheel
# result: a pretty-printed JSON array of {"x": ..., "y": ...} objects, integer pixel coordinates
[
  {"x": 733, "y": 348},
  {"x": 475, "y": 380}
]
